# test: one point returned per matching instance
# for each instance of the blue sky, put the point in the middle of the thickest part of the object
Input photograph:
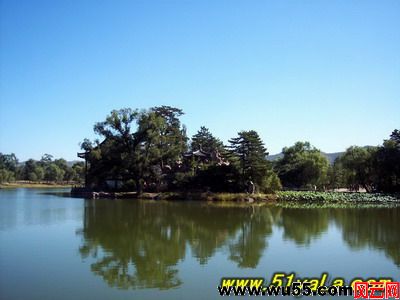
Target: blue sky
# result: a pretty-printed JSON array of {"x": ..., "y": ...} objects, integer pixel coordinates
[{"x": 323, "y": 71}]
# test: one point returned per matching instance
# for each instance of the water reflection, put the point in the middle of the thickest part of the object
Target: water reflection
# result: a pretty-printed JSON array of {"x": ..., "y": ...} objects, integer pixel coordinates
[
  {"x": 375, "y": 228},
  {"x": 250, "y": 242},
  {"x": 303, "y": 225},
  {"x": 139, "y": 244},
  {"x": 142, "y": 242}
]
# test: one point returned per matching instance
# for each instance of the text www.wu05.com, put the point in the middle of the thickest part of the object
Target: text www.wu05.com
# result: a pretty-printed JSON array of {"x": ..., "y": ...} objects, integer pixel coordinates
[{"x": 295, "y": 289}]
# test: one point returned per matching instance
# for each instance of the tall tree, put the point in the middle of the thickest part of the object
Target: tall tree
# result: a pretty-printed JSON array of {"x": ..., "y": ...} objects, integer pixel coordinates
[
  {"x": 387, "y": 163},
  {"x": 9, "y": 162},
  {"x": 358, "y": 167},
  {"x": 46, "y": 158},
  {"x": 302, "y": 166},
  {"x": 172, "y": 140},
  {"x": 78, "y": 172},
  {"x": 249, "y": 154},
  {"x": 8, "y": 167},
  {"x": 54, "y": 173},
  {"x": 114, "y": 158},
  {"x": 28, "y": 169},
  {"x": 136, "y": 145},
  {"x": 206, "y": 141}
]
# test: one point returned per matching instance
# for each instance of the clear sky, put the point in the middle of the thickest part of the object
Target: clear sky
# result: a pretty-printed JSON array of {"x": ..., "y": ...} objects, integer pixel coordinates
[{"x": 323, "y": 71}]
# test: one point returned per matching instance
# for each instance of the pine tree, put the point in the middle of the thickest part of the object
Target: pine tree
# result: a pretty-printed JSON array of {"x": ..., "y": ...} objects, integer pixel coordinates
[
  {"x": 249, "y": 154},
  {"x": 206, "y": 141}
]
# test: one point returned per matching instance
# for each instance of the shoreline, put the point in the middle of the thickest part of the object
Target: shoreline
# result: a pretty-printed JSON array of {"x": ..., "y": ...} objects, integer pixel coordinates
[
  {"x": 281, "y": 196},
  {"x": 15, "y": 185},
  {"x": 191, "y": 196}
]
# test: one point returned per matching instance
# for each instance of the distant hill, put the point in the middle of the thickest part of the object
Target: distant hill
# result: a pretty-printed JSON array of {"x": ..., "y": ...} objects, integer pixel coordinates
[
  {"x": 330, "y": 156},
  {"x": 274, "y": 157}
]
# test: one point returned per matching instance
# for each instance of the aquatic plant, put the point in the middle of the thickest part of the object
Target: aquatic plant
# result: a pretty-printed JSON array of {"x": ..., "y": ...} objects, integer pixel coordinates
[{"x": 304, "y": 196}]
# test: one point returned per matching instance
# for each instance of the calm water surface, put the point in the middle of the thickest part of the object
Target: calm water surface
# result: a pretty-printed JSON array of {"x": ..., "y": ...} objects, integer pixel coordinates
[{"x": 54, "y": 247}]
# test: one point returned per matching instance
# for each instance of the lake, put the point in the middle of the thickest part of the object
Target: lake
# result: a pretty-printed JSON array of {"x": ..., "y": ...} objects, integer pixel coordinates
[{"x": 57, "y": 247}]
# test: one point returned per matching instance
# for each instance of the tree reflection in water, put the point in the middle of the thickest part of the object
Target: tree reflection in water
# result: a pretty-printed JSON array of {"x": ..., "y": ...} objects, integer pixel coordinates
[
  {"x": 302, "y": 225},
  {"x": 377, "y": 228},
  {"x": 139, "y": 244}
]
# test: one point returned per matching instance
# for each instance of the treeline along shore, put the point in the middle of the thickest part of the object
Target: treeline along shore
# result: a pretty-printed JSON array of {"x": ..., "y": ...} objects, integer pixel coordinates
[
  {"x": 147, "y": 152},
  {"x": 46, "y": 172}
]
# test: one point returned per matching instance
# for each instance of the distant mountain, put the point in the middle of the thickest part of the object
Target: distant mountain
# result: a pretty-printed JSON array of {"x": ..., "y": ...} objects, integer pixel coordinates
[
  {"x": 330, "y": 156},
  {"x": 274, "y": 157}
]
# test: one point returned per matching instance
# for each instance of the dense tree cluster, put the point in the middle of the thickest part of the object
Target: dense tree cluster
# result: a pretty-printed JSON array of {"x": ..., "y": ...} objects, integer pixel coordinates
[
  {"x": 375, "y": 169},
  {"x": 250, "y": 157},
  {"x": 302, "y": 166},
  {"x": 371, "y": 168},
  {"x": 137, "y": 148},
  {"x": 47, "y": 169},
  {"x": 355, "y": 168},
  {"x": 8, "y": 167},
  {"x": 204, "y": 140},
  {"x": 149, "y": 150},
  {"x": 146, "y": 150}
]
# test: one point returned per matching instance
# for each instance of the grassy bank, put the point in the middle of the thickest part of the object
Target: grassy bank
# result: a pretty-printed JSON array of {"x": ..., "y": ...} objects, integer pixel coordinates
[
  {"x": 194, "y": 196},
  {"x": 14, "y": 185}
]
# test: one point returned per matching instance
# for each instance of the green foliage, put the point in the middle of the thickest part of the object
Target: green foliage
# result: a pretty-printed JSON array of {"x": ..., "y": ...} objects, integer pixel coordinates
[
  {"x": 144, "y": 146},
  {"x": 271, "y": 183},
  {"x": 6, "y": 176},
  {"x": 29, "y": 168},
  {"x": 32, "y": 176},
  {"x": 8, "y": 162},
  {"x": 172, "y": 139},
  {"x": 336, "y": 176},
  {"x": 54, "y": 173},
  {"x": 303, "y": 196},
  {"x": 39, "y": 172},
  {"x": 137, "y": 145},
  {"x": 358, "y": 167},
  {"x": 181, "y": 181},
  {"x": 129, "y": 185},
  {"x": 8, "y": 167},
  {"x": 217, "y": 179},
  {"x": 248, "y": 155},
  {"x": 373, "y": 168},
  {"x": 78, "y": 172},
  {"x": 302, "y": 166},
  {"x": 204, "y": 140},
  {"x": 49, "y": 170},
  {"x": 387, "y": 164},
  {"x": 46, "y": 159}
]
